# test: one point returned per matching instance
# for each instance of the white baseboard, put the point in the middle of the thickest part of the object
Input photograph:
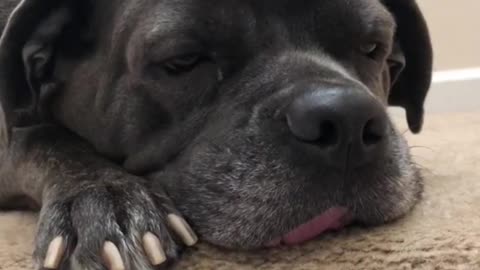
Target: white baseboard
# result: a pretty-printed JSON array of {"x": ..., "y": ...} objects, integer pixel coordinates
[
  {"x": 456, "y": 75},
  {"x": 452, "y": 91},
  {"x": 455, "y": 91}
]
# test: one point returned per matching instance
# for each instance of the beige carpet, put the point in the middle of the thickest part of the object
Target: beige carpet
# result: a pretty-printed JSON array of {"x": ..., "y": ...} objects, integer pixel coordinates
[{"x": 443, "y": 232}]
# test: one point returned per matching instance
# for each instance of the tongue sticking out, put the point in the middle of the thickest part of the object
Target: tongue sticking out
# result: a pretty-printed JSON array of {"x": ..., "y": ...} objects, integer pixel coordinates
[{"x": 332, "y": 219}]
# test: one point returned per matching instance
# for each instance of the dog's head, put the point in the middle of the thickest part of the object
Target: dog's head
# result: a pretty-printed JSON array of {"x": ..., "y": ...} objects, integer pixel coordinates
[{"x": 255, "y": 116}]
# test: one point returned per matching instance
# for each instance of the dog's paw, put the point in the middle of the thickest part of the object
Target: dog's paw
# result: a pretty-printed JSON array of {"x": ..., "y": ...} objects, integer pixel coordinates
[{"x": 111, "y": 225}]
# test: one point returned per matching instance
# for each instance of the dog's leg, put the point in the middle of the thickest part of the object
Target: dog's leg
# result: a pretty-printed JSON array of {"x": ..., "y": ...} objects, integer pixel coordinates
[{"x": 93, "y": 213}]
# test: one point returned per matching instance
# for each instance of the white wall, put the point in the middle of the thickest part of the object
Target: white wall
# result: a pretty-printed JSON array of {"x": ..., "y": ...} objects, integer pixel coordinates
[{"x": 455, "y": 29}]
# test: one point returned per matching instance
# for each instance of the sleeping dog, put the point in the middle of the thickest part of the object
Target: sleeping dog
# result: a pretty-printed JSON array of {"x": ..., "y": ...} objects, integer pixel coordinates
[{"x": 261, "y": 123}]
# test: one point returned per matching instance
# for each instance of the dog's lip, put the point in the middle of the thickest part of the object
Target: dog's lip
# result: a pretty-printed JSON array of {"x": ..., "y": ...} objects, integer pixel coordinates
[{"x": 333, "y": 219}]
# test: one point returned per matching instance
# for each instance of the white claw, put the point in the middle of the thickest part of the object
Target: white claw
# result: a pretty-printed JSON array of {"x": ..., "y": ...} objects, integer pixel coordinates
[
  {"x": 55, "y": 252},
  {"x": 153, "y": 249},
  {"x": 181, "y": 227},
  {"x": 111, "y": 256}
]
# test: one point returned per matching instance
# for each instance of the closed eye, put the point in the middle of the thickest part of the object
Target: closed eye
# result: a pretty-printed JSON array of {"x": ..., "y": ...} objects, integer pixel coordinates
[
  {"x": 372, "y": 50},
  {"x": 183, "y": 63}
]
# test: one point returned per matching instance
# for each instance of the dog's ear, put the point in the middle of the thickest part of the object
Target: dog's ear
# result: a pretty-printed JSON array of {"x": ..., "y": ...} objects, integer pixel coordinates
[
  {"x": 27, "y": 52},
  {"x": 410, "y": 61}
]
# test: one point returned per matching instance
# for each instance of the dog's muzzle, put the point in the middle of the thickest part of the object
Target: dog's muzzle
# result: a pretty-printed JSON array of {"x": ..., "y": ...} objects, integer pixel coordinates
[{"x": 343, "y": 128}]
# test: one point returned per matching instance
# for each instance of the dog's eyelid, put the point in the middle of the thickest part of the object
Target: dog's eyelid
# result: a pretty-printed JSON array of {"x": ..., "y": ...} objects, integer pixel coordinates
[
  {"x": 374, "y": 48},
  {"x": 183, "y": 60},
  {"x": 169, "y": 48},
  {"x": 183, "y": 63},
  {"x": 369, "y": 47},
  {"x": 175, "y": 56}
]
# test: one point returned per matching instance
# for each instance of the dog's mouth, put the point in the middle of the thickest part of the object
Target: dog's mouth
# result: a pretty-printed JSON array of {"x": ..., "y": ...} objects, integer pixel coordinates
[{"x": 333, "y": 219}]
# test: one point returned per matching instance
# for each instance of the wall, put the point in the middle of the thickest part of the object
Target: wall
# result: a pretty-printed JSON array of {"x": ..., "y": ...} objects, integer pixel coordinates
[{"x": 455, "y": 29}]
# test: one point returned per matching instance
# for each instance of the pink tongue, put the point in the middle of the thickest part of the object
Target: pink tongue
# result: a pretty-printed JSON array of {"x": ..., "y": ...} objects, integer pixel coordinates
[{"x": 332, "y": 219}]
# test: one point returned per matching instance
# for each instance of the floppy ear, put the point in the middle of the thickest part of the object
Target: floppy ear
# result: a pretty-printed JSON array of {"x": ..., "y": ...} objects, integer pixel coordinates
[
  {"x": 411, "y": 61},
  {"x": 27, "y": 51}
]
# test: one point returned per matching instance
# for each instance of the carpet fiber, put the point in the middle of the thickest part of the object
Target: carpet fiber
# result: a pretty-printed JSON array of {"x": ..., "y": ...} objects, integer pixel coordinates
[{"x": 443, "y": 232}]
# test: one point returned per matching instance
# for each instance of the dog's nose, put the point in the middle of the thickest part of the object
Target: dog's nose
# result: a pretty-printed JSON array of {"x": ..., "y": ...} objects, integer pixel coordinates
[{"x": 347, "y": 126}]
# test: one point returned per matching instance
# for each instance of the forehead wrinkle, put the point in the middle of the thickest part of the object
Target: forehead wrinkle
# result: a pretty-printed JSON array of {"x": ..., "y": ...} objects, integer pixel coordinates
[
  {"x": 163, "y": 20},
  {"x": 125, "y": 20},
  {"x": 384, "y": 22},
  {"x": 213, "y": 24},
  {"x": 381, "y": 19}
]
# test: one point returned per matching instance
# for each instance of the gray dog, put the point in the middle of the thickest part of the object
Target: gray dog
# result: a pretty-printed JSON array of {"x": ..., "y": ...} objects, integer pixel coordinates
[{"x": 261, "y": 122}]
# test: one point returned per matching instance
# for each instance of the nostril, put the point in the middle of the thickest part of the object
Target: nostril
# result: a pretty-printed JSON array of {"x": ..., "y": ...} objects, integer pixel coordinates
[
  {"x": 329, "y": 134},
  {"x": 373, "y": 132}
]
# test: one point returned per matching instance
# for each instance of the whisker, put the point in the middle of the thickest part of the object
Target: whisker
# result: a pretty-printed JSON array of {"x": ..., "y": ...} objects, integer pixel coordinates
[
  {"x": 422, "y": 167},
  {"x": 422, "y": 147},
  {"x": 418, "y": 157},
  {"x": 405, "y": 132}
]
